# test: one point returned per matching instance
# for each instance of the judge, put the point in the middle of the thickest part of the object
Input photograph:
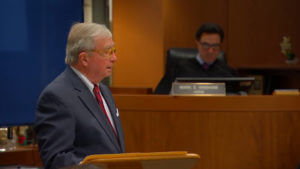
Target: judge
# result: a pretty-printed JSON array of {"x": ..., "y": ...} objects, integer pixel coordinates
[{"x": 208, "y": 39}]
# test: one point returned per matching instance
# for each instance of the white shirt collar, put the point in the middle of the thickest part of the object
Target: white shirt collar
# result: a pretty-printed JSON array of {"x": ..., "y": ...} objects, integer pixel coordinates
[
  {"x": 85, "y": 80},
  {"x": 199, "y": 59}
]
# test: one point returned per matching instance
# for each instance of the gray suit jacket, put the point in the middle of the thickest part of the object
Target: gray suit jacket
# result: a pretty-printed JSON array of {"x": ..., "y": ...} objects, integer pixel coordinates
[{"x": 69, "y": 124}]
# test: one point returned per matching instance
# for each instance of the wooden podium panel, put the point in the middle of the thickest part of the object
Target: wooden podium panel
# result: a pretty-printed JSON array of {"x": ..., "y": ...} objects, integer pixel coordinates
[{"x": 156, "y": 160}]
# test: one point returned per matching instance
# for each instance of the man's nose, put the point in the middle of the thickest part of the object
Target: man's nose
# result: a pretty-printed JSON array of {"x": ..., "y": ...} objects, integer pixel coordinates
[
  {"x": 210, "y": 50},
  {"x": 113, "y": 57}
]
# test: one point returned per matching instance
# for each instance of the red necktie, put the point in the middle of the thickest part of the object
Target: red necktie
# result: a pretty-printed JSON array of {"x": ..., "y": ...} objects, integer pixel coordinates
[{"x": 100, "y": 102}]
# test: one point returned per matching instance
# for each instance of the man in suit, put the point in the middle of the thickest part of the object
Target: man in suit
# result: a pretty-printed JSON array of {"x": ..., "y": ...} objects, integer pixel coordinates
[
  {"x": 208, "y": 39},
  {"x": 75, "y": 114}
]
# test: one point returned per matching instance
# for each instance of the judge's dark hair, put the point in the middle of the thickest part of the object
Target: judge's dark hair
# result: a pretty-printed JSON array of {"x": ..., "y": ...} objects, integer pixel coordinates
[{"x": 209, "y": 28}]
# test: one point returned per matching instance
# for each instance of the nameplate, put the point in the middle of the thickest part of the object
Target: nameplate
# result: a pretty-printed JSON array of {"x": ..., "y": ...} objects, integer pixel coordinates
[{"x": 198, "y": 89}]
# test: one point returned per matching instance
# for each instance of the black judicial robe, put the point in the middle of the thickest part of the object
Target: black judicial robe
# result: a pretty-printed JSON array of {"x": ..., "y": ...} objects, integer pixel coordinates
[{"x": 192, "y": 68}]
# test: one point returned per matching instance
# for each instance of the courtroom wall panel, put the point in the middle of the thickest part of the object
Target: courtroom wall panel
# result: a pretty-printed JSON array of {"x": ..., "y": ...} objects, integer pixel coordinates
[
  {"x": 256, "y": 28},
  {"x": 138, "y": 35}
]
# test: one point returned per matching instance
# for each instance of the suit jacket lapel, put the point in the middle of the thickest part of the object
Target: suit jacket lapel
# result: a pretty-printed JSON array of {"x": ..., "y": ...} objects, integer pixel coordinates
[
  {"x": 90, "y": 102},
  {"x": 109, "y": 101}
]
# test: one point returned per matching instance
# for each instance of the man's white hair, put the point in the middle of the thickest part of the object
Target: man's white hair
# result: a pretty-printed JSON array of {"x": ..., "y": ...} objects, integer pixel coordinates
[{"x": 82, "y": 38}]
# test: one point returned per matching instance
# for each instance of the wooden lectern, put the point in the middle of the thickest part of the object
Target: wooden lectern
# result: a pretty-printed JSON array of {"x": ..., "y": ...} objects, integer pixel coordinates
[{"x": 156, "y": 160}]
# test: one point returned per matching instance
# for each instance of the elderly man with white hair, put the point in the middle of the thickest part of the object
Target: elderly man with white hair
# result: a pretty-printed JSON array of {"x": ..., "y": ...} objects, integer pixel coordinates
[{"x": 75, "y": 114}]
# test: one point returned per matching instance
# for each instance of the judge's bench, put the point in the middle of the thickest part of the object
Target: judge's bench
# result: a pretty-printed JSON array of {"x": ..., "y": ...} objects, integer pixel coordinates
[{"x": 259, "y": 131}]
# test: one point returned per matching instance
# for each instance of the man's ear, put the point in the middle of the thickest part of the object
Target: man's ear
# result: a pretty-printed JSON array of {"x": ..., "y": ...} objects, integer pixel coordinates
[{"x": 83, "y": 58}]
